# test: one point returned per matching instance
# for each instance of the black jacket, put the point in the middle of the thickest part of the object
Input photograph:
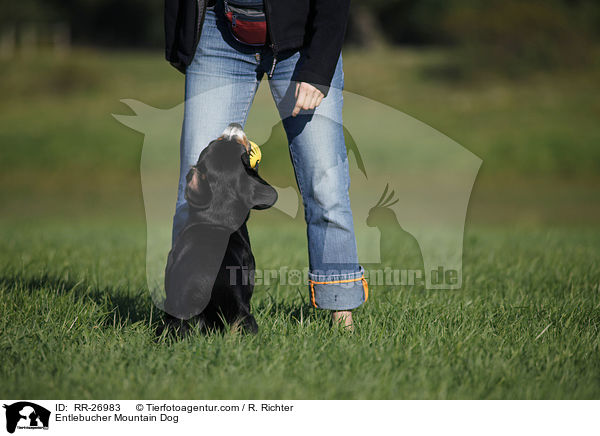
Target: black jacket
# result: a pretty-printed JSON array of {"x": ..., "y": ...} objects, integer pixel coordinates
[{"x": 316, "y": 26}]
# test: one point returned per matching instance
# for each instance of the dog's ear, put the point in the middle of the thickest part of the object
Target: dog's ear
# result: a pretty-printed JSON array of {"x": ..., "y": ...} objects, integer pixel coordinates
[
  {"x": 261, "y": 195},
  {"x": 197, "y": 190}
]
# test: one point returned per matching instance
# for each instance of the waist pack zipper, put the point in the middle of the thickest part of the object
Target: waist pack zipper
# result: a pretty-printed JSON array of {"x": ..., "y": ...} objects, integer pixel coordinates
[
  {"x": 273, "y": 44},
  {"x": 270, "y": 73}
]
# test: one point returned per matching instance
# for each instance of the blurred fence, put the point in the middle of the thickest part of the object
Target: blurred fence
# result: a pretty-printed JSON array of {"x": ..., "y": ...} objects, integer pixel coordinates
[{"x": 28, "y": 38}]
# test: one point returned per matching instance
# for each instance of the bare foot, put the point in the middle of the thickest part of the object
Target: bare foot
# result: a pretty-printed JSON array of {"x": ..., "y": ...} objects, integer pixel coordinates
[{"x": 343, "y": 318}]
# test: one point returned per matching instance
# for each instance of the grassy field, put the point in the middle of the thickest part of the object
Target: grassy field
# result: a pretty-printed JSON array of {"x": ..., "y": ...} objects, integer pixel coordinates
[{"x": 76, "y": 320}]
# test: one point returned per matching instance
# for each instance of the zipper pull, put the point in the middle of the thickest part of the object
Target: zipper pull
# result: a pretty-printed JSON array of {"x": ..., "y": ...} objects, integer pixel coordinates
[{"x": 270, "y": 73}]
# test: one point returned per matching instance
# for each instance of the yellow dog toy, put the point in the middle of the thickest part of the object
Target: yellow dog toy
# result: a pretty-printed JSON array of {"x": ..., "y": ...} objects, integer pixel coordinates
[{"x": 254, "y": 154}]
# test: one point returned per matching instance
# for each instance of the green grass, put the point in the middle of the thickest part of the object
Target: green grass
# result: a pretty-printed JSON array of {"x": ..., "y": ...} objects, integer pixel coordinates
[
  {"x": 56, "y": 111},
  {"x": 77, "y": 322},
  {"x": 538, "y": 136}
]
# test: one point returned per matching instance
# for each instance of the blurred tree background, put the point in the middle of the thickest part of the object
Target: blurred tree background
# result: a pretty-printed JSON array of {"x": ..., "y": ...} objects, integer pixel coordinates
[
  {"x": 111, "y": 23},
  {"x": 510, "y": 36}
]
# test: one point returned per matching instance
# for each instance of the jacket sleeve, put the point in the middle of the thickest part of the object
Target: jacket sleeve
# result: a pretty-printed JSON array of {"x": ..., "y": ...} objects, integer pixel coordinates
[
  {"x": 325, "y": 38},
  {"x": 181, "y": 31}
]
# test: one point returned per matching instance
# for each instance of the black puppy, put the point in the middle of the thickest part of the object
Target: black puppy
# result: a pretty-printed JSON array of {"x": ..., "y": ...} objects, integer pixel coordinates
[{"x": 208, "y": 278}]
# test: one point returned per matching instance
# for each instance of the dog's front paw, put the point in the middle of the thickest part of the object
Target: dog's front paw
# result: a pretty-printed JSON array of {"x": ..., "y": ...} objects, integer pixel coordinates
[
  {"x": 182, "y": 328},
  {"x": 249, "y": 325},
  {"x": 246, "y": 325}
]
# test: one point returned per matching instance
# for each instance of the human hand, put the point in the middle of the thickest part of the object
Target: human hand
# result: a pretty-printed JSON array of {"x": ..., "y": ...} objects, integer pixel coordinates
[{"x": 307, "y": 97}]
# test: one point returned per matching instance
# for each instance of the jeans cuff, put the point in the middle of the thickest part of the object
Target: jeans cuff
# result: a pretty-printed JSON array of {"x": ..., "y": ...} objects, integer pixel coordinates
[{"x": 338, "y": 291}]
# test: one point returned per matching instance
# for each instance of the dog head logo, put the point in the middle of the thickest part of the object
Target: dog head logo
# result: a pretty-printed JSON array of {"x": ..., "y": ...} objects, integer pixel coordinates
[
  {"x": 26, "y": 415},
  {"x": 431, "y": 177}
]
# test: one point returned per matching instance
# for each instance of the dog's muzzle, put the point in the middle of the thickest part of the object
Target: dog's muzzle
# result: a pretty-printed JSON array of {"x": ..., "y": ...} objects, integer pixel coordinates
[{"x": 236, "y": 132}]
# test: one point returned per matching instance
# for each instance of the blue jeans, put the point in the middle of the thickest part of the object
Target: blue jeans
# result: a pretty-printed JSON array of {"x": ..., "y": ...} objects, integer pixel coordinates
[{"x": 220, "y": 86}]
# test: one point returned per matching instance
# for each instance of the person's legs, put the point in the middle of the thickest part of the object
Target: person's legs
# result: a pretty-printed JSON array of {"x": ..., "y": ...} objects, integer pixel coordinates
[
  {"x": 318, "y": 153},
  {"x": 220, "y": 86}
]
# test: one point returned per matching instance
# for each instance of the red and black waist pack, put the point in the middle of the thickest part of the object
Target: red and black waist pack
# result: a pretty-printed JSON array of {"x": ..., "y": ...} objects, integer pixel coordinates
[{"x": 247, "y": 21}]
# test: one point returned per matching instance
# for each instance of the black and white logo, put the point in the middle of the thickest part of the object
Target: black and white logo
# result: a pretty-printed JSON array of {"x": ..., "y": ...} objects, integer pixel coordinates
[{"x": 26, "y": 415}]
